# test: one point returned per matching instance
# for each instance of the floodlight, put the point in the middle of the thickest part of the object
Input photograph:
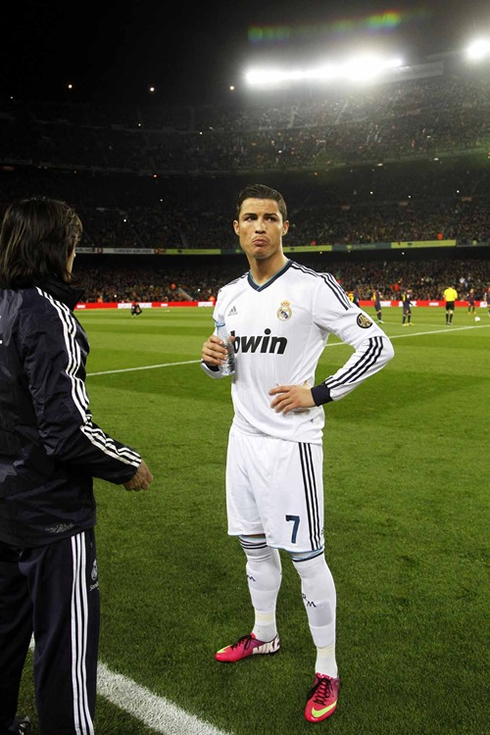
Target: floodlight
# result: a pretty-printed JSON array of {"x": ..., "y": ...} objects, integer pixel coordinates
[
  {"x": 325, "y": 72},
  {"x": 356, "y": 69},
  {"x": 363, "y": 68},
  {"x": 264, "y": 77},
  {"x": 478, "y": 49}
]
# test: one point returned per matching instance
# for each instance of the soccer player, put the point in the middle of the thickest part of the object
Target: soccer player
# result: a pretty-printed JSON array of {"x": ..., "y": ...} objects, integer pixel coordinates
[
  {"x": 281, "y": 314},
  {"x": 136, "y": 309},
  {"x": 471, "y": 301},
  {"x": 450, "y": 295},
  {"x": 407, "y": 309},
  {"x": 50, "y": 450},
  {"x": 377, "y": 305}
]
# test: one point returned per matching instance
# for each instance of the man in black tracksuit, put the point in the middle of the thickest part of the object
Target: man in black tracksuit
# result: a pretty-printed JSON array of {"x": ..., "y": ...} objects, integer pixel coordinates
[{"x": 50, "y": 450}]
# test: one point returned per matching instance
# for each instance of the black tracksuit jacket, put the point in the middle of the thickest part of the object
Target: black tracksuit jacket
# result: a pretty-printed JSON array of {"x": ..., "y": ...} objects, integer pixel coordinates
[{"x": 50, "y": 449}]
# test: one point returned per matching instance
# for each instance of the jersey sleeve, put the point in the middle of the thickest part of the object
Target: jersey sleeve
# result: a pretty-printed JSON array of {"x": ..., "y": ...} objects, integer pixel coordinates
[
  {"x": 54, "y": 364},
  {"x": 214, "y": 371},
  {"x": 335, "y": 313}
]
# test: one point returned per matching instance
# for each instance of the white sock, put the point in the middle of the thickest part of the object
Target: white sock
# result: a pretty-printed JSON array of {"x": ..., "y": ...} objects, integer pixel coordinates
[
  {"x": 325, "y": 661},
  {"x": 264, "y": 577},
  {"x": 265, "y": 628},
  {"x": 320, "y": 601}
]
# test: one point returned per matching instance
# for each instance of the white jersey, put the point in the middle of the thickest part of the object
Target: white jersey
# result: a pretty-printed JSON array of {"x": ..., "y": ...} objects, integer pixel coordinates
[{"x": 281, "y": 329}]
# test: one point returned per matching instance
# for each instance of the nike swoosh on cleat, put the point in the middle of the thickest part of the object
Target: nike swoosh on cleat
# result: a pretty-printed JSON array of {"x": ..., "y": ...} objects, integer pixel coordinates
[{"x": 321, "y": 712}]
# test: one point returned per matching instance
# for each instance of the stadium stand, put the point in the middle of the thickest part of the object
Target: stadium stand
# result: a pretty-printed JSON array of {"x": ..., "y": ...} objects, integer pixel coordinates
[{"x": 398, "y": 163}]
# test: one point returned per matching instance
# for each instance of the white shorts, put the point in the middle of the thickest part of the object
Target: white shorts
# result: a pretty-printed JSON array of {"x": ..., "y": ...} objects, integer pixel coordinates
[{"x": 275, "y": 487}]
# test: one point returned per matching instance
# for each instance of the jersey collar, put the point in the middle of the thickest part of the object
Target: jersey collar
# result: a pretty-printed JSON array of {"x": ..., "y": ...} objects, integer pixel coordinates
[{"x": 277, "y": 275}]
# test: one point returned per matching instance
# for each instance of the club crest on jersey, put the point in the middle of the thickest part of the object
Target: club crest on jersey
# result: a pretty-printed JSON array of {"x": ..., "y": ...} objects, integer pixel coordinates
[
  {"x": 364, "y": 322},
  {"x": 284, "y": 312}
]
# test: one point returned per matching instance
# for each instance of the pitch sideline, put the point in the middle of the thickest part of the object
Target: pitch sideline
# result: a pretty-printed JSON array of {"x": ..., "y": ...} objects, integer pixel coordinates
[
  {"x": 156, "y": 712},
  {"x": 333, "y": 344}
]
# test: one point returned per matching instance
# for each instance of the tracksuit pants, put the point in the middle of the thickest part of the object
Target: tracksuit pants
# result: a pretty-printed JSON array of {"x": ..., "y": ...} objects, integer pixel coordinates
[{"x": 51, "y": 592}]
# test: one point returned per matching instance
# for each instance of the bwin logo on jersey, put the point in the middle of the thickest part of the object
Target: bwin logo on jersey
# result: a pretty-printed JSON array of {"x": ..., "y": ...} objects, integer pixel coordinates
[
  {"x": 284, "y": 312},
  {"x": 266, "y": 343}
]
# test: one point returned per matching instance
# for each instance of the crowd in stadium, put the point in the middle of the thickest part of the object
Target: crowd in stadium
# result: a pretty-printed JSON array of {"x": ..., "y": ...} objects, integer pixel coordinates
[
  {"x": 399, "y": 162},
  {"x": 426, "y": 279},
  {"x": 433, "y": 201},
  {"x": 413, "y": 119}
]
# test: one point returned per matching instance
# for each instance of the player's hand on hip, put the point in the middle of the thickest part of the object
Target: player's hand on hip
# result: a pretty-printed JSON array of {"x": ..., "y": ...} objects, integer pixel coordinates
[
  {"x": 141, "y": 480},
  {"x": 291, "y": 397}
]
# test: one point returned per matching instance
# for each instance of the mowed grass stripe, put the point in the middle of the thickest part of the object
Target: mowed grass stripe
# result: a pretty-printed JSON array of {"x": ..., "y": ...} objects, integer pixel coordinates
[{"x": 330, "y": 344}]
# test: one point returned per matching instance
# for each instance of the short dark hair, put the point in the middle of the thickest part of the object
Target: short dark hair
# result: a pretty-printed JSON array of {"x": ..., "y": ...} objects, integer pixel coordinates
[
  {"x": 261, "y": 191},
  {"x": 37, "y": 238}
]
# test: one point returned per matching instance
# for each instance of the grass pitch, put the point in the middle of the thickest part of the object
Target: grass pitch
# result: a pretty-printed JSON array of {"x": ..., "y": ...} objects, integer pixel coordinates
[{"x": 406, "y": 483}]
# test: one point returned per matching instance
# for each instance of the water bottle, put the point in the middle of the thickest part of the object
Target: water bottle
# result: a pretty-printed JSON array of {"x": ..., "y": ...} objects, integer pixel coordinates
[{"x": 228, "y": 368}]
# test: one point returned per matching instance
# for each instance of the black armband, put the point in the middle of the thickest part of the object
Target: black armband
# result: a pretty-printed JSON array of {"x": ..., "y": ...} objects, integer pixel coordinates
[{"x": 321, "y": 394}]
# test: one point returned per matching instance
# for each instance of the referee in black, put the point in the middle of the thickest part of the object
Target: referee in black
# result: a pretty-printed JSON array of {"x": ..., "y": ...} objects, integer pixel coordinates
[{"x": 50, "y": 450}]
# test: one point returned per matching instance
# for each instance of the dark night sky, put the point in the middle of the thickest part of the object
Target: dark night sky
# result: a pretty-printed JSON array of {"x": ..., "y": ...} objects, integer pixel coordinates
[{"x": 112, "y": 53}]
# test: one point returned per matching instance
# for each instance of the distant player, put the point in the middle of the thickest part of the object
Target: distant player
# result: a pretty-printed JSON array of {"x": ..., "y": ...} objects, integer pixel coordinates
[
  {"x": 407, "y": 309},
  {"x": 450, "y": 295},
  {"x": 377, "y": 305},
  {"x": 471, "y": 301},
  {"x": 136, "y": 309},
  {"x": 487, "y": 299}
]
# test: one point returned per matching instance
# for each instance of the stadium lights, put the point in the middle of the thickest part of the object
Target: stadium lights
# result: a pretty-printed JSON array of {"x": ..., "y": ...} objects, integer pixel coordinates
[
  {"x": 362, "y": 68},
  {"x": 478, "y": 49}
]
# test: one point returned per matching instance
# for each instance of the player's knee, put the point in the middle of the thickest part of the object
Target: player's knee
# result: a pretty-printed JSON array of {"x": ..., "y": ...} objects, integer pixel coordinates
[
  {"x": 263, "y": 562},
  {"x": 306, "y": 560},
  {"x": 255, "y": 547},
  {"x": 317, "y": 586}
]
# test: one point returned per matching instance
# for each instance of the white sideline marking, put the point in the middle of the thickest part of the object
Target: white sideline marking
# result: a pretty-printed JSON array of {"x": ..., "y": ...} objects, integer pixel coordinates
[
  {"x": 144, "y": 367},
  {"x": 448, "y": 330},
  {"x": 333, "y": 344},
  {"x": 156, "y": 712}
]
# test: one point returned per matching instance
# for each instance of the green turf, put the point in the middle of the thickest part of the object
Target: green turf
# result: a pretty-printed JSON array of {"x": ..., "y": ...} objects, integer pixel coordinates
[{"x": 406, "y": 482}]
